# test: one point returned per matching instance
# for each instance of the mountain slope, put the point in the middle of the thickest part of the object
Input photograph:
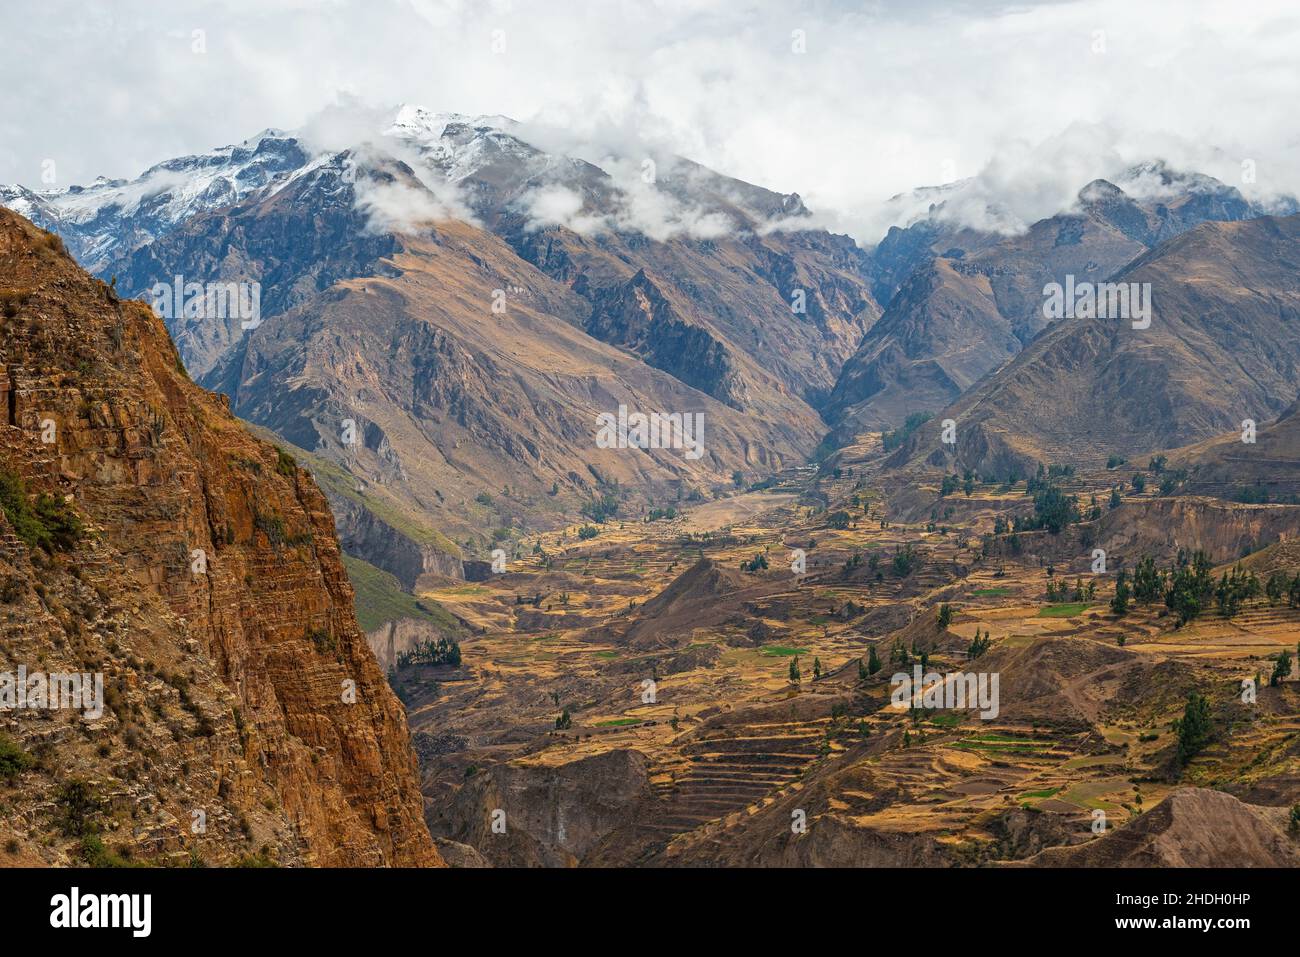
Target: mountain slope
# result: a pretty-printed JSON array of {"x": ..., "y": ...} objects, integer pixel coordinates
[
  {"x": 1221, "y": 347},
  {"x": 452, "y": 400},
  {"x": 423, "y": 287},
  {"x": 109, "y": 219},
  {"x": 954, "y": 318},
  {"x": 207, "y": 589},
  {"x": 1267, "y": 469},
  {"x": 1193, "y": 827}
]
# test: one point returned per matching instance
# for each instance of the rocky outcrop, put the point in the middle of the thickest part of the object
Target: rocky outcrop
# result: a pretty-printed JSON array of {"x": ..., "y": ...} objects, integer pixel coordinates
[
  {"x": 547, "y": 816},
  {"x": 1193, "y": 827},
  {"x": 637, "y": 316},
  {"x": 394, "y": 638},
  {"x": 401, "y": 554},
  {"x": 244, "y": 714}
]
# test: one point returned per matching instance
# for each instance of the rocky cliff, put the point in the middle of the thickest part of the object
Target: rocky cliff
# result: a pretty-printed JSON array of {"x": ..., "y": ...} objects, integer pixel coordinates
[{"x": 147, "y": 537}]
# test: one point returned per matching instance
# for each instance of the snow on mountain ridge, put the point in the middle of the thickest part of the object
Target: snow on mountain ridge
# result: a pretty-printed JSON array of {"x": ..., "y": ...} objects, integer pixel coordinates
[{"x": 476, "y": 167}]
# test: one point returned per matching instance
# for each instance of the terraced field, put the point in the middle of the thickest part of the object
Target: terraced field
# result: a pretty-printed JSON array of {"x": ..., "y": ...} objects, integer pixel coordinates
[{"x": 670, "y": 640}]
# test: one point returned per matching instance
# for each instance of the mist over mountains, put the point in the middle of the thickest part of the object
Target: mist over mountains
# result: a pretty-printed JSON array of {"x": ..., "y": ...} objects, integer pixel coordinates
[{"x": 416, "y": 270}]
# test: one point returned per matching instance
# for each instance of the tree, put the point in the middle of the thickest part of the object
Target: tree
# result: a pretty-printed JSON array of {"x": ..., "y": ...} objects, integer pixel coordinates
[
  {"x": 873, "y": 661},
  {"x": 817, "y": 668},
  {"x": 1139, "y": 482},
  {"x": 1191, "y": 586},
  {"x": 1235, "y": 587},
  {"x": 1148, "y": 583},
  {"x": 1119, "y": 604},
  {"x": 1194, "y": 728},
  {"x": 945, "y": 615},
  {"x": 795, "y": 676},
  {"x": 905, "y": 561},
  {"x": 1053, "y": 509},
  {"x": 564, "y": 721},
  {"x": 862, "y": 669},
  {"x": 898, "y": 656},
  {"x": 1115, "y": 497},
  {"x": 1281, "y": 670}
]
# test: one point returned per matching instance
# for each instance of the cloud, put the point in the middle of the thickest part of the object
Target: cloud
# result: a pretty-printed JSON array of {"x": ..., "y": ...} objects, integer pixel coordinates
[
  {"x": 398, "y": 207},
  {"x": 635, "y": 202},
  {"x": 355, "y": 129},
  {"x": 560, "y": 206},
  {"x": 1025, "y": 99}
]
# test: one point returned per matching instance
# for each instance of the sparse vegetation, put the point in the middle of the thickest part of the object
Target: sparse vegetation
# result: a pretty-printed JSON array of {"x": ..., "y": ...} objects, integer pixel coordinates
[
  {"x": 1194, "y": 729},
  {"x": 13, "y": 759},
  {"x": 46, "y": 522},
  {"x": 284, "y": 463},
  {"x": 895, "y": 438},
  {"x": 77, "y": 808}
]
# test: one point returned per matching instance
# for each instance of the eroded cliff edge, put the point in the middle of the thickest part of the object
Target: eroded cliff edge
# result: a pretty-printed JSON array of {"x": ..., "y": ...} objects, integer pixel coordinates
[{"x": 147, "y": 537}]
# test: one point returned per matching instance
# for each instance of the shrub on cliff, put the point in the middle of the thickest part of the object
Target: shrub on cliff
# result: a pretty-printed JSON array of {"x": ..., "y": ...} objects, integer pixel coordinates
[
  {"x": 13, "y": 759},
  {"x": 77, "y": 806},
  {"x": 49, "y": 523}
]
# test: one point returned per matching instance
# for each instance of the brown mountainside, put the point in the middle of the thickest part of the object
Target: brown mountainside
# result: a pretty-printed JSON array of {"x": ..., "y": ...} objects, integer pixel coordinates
[
  {"x": 1221, "y": 347},
  {"x": 207, "y": 589},
  {"x": 468, "y": 419},
  {"x": 965, "y": 313}
]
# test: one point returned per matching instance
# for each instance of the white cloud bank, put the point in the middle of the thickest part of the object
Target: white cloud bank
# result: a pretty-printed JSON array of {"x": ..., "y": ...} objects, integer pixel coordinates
[{"x": 1030, "y": 99}]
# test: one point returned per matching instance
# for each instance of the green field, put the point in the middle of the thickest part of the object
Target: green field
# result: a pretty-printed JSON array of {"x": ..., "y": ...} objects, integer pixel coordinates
[
  {"x": 991, "y": 592},
  {"x": 1064, "y": 611},
  {"x": 380, "y": 598},
  {"x": 618, "y": 723},
  {"x": 780, "y": 651},
  {"x": 1045, "y": 793},
  {"x": 1004, "y": 743}
]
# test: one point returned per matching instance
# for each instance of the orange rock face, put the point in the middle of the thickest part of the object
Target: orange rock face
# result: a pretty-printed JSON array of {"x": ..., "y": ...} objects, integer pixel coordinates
[{"x": 245, "y": 715}]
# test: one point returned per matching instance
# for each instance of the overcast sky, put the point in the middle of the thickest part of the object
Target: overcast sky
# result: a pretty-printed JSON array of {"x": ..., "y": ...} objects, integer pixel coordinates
[{"x": 1036, "y": 97}]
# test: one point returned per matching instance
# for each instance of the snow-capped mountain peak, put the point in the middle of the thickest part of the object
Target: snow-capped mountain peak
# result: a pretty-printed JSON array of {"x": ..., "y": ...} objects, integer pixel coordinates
[{"x": 492, "y": 164}]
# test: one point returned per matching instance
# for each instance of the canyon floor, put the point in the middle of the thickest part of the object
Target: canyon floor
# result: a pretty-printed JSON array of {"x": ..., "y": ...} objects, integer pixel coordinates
[{"x": 628, "y": 699}]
